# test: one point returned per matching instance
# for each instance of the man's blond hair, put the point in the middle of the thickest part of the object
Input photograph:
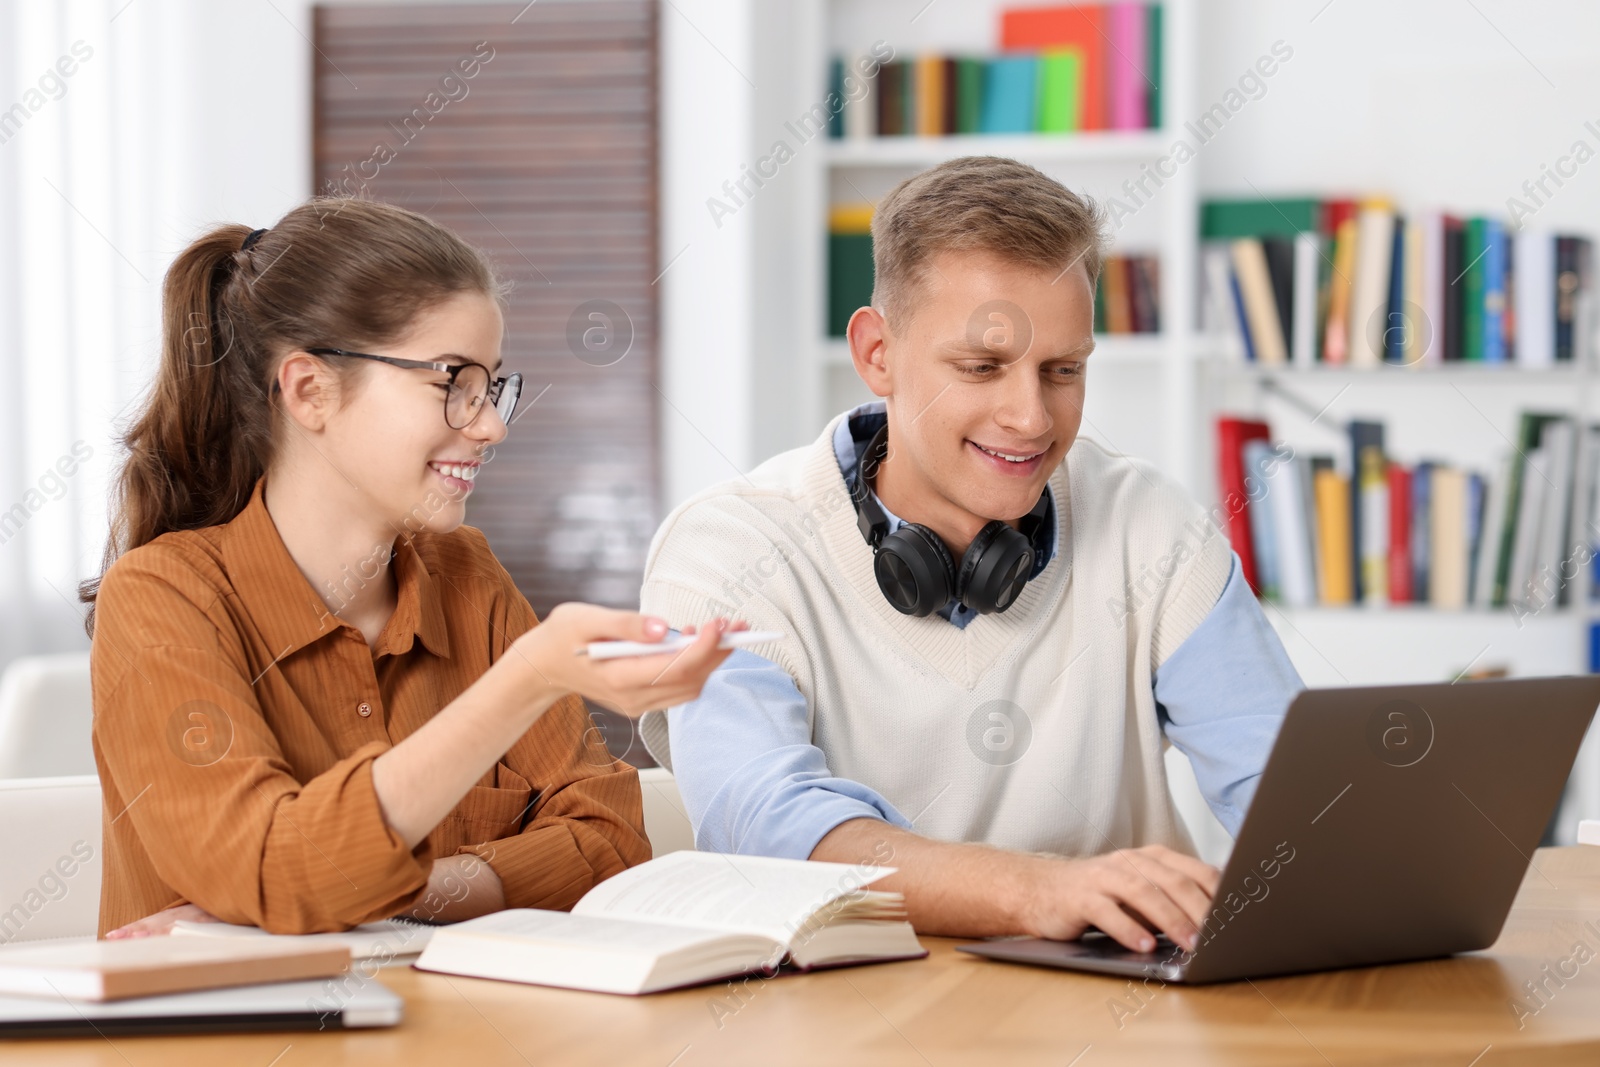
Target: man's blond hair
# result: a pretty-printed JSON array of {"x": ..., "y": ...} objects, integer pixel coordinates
[{"x": 979, "y": 204}]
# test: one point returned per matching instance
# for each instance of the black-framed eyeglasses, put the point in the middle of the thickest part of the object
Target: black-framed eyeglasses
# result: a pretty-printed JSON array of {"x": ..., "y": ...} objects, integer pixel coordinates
[{"x": 470, "y": 385}]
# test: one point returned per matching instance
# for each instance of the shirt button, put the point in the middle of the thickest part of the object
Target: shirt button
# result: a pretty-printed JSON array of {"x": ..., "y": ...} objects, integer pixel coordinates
[{"x": 363, "y": 709}]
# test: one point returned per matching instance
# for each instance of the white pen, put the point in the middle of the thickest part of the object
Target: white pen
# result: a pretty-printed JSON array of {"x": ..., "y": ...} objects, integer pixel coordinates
[{"x": 619, "y": 649}]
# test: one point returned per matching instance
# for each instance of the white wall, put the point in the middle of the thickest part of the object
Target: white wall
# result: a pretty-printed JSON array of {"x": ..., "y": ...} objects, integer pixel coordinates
[{"x": 1434, "y": 101}]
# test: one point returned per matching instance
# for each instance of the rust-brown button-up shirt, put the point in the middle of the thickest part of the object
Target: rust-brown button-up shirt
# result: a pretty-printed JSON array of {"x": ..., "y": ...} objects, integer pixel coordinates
[{"x": 236, "y": 721}]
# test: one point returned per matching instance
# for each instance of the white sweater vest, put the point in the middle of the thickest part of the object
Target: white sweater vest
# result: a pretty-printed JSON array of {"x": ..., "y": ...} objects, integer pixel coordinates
[{"x": 1032, "y": 729}]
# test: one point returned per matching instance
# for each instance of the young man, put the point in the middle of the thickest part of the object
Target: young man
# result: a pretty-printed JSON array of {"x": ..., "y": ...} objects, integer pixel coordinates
[{"x": 990, "y": 723}]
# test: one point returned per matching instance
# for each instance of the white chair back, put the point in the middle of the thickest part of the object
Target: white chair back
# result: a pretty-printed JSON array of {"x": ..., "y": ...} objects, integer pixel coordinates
[
  {"x": 666, "y": 822},
  {"x": 45, "y": 717},
  {"x": 50, "y": 873}
]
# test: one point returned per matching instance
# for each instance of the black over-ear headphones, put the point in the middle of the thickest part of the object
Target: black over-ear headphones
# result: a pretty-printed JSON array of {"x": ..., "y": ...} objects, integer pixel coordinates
[{"x": 913, "y": 566}]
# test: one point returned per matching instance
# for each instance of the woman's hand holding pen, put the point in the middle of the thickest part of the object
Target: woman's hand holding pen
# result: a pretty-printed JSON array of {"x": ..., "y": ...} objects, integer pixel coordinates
[{"x": 632, "y": 685}]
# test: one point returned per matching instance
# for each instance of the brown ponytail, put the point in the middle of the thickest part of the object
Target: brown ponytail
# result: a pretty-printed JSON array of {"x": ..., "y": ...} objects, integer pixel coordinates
[{"x": 340, "y": 273}]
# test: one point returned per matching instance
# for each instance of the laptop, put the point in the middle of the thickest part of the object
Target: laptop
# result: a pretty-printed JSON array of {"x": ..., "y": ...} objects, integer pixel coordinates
[{"x": 1391, "y": 823}]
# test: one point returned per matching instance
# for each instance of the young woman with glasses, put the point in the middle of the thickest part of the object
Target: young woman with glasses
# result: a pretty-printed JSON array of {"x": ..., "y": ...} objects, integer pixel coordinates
[{"x": 319, "y": 698}]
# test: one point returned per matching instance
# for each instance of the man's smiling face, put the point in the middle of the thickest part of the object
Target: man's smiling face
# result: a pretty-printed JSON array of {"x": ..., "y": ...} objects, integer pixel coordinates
[{"x": 983, "y": 374}]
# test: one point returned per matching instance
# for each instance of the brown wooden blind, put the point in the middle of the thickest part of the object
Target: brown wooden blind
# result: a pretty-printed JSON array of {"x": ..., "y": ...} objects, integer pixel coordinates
[{"x": 546, "y": 158}]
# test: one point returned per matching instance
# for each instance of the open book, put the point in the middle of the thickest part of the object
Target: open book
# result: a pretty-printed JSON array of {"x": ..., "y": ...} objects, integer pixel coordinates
[{"x": 686, "y": 918}]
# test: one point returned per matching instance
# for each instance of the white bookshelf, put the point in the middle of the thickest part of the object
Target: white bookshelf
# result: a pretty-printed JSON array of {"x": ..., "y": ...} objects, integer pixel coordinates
[{"x": 1462, "y": 413}]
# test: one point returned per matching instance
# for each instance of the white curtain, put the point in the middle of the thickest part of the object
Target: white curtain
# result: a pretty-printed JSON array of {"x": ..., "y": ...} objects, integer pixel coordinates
[{"x": 126, "y": 128}]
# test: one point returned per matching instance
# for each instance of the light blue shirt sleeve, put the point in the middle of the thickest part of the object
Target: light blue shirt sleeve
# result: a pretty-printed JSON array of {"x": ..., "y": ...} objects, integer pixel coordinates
[
  {"x": 750, "y": 777},
  {"x": 1222, "y": 696}
]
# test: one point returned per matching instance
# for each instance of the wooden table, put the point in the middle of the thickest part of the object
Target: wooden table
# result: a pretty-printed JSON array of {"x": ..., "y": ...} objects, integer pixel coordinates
[{"x": 953, "y": 1008}]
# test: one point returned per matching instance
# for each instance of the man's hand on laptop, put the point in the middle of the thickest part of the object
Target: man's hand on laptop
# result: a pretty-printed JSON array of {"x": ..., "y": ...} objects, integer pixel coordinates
[
  {"x": 1126, "y": 894},
  {"x": 954, "y": 889}
]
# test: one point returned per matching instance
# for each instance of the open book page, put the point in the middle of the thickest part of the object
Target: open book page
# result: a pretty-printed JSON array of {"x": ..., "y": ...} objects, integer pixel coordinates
[
  {"x": 590, "y": 932},
  {"x": 758, "y": 894}
]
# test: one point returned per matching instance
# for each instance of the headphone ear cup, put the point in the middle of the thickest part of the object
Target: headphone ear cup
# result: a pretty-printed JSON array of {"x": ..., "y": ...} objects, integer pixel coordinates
[
  {"x": 914, "y": 571},
  {"x": 994, "y": 569}
]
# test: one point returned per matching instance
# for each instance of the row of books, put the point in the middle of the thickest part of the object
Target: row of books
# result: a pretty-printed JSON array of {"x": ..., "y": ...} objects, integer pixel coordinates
[
  {"x": 1305, "y": 281},
  {"x": 1062, "y": 69},
  {"x": 1128, "y": 298},
  {"x": 1310, "y": 529}
]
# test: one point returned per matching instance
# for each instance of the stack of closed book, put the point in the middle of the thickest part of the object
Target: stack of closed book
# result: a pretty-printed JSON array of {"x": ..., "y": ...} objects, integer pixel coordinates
[
  {"x": 1306, "y": 282},
  {"x": 1321, "y": 529}
]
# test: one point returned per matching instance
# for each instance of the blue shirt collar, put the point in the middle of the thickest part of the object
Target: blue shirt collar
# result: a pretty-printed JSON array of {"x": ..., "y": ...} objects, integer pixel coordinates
[{"x": 854, "y": 432}]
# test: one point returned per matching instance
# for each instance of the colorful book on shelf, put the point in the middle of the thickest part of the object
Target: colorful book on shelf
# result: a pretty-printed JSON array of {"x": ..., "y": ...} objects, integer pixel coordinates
[
  {"x": 1374, "y": 492},
  {"x": 1535, "y": 298},
  {"x": 1060, "y": 107},
  {"x": 1339, "y": 229},
  {"x": 1333, "y": 525},
  {"x": 1369, "y": 286},
  {"x": 1306, "y": 468},
  {"x": 1421, "y": 529},
  {"x": 1144, "y": 276},
  {"x": 836, "y": 92},
  {"x": 969, "y": 75},
  {"x": 1447, "y": 586},
  {"x": 1264, "y": 536},
  {"x": 1477, "y": 491},
  {"x": 1486, "y": 552},
  {"x": 858, "y": 118},
  {"x": 1400, "y": 572},
  {"x": 1262, "y": 323},
  {"x": 1079, "y": 27},
  {"x": 1575, "y": 299},
  {"x": 1286, "y": 497},
  {"x": 1513, "y": 559},
  {"x": 1547, "y": 582},
  {"x": 932, "y": 90},
  {"x": 850, "y": 271},
  {"x": 1589, "y": 507},
  {"x": 1412, "y": 313},
  {"x": 1153, "y": 65},
  {"x": 1394, "y": 326},
  {"x": 1455, "y": 288},
  {"x": 1366, "y": 448},
  {"x": 1493, "y": 266},
  {"x": 1125, "y": 62},
  {"x": 1232, "y": 435},
  {"x": 1119, "y": 317},
  {"x": 1474, "y": 293},
  {"x": 1010, "y": 95},
  {"x": 890, "y": 83},
  {"x": 1428, "y": 286}
]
